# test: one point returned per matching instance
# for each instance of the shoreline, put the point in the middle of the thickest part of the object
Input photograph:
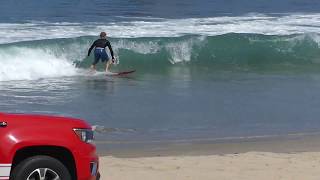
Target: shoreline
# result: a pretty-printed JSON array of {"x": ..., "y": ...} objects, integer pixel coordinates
[{"x": 291, "y": 143}]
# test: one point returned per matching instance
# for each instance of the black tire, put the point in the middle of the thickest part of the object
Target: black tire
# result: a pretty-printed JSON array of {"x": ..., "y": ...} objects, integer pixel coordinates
[{"x": 30, "y": 168}]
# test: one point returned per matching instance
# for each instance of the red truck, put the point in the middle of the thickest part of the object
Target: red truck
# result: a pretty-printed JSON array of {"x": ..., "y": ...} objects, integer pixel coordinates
[{"x": 38, "y": 147}]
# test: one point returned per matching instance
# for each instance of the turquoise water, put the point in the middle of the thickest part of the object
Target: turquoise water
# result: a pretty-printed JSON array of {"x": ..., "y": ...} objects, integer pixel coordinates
[
  {"x": 228, "y": 52},
  {"x": 204, "y": 69}
]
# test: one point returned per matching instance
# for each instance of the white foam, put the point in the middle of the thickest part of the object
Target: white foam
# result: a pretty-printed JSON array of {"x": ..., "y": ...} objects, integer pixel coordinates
[
  {"x": 179, "y": 51},
  {"x": 29, "y": 64},
  {"x": 182, "y": 51},
  {"x": 157, "y": 27},
  {"x": 142, "y": 48}
]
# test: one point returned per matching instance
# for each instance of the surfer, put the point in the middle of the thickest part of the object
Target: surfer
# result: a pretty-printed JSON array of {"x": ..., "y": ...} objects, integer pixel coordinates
[{"x": 100, "y": 51}]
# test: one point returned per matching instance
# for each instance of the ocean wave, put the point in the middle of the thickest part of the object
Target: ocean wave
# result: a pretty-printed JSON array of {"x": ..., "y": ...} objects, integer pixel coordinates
[{"x": 64, "y": 57}]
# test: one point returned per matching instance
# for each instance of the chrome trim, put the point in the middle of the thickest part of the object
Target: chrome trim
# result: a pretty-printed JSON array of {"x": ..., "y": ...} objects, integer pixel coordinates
[
  {"x": 94, "y": 168},
  {"x": 5, "y": 171}
]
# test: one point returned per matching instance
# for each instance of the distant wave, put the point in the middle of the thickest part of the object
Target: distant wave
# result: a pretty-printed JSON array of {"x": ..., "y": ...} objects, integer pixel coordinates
[
  {"x": 253, "y": 52},
  {"x": 285, "y": 24}
]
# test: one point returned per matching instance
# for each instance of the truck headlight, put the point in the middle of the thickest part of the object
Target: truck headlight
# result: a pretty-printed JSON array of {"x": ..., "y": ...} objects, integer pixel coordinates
[{"x": 85, "y": 135}]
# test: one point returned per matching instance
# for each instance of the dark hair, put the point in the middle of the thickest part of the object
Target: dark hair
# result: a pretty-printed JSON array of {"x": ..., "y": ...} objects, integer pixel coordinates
[{"x": 103, "y": 34}]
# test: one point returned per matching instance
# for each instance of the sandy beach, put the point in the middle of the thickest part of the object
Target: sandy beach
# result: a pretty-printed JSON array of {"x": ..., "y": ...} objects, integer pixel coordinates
[
  {"x": 291, "y": 158},
  {"x": 246, "y": 166}
]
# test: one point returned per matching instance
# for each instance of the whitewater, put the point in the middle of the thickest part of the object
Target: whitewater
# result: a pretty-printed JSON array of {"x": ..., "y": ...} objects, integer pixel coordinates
[{"x": 267, "y": 24}]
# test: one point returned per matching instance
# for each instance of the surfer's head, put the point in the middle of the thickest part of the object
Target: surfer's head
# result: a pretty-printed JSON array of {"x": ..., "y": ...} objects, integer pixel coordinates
[{"x": 103, "y": 35}]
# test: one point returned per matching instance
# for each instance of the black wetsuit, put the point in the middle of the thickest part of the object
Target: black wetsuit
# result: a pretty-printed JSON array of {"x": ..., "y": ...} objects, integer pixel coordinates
[{"x": 101, "y": 43}]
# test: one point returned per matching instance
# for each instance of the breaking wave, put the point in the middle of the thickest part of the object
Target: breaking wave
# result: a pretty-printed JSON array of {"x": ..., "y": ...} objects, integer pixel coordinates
[{"x": 254, "y": 42}]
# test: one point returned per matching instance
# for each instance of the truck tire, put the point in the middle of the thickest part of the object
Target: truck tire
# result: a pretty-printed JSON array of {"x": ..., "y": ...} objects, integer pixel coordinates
[{"x": 40, "y": 168}]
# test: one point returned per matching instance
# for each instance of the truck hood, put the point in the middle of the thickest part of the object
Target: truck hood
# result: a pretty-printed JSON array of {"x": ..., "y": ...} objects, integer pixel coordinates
[{"x": 43, "y": 120}]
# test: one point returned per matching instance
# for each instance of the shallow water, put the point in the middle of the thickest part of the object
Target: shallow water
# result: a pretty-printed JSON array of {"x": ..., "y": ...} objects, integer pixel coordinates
[{"x": 156, "y": 107}]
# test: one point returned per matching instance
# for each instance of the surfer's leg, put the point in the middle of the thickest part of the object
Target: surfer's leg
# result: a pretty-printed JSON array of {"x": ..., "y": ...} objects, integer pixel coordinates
[
  {"x": 105, "y": 58},
  {"x": 93, "y": 67},
  {"x": 108, "y": 64},
  {"x": 97, "y": 57}
]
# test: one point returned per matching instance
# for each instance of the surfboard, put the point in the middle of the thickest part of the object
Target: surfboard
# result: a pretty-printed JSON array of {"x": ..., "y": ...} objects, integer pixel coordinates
[{"x": 121, "y": 73}]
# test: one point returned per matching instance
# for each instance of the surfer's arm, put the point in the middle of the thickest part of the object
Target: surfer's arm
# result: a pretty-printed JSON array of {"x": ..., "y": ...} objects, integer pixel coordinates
[
  {"x": 90, "y": 49},
  {"x": 110, "y": 48}
]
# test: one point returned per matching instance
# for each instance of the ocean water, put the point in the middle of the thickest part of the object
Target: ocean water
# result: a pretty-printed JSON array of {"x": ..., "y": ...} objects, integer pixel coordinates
[{"x": 205, "y": 69}]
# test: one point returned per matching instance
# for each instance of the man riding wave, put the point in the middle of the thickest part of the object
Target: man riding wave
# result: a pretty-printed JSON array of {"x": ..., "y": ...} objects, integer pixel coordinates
[{"x": 100, "y": 52}]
